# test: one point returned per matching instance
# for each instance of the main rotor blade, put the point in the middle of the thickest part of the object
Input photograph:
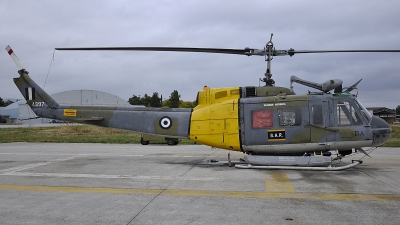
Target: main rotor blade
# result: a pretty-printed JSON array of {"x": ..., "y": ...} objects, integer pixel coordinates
[
  {"x": 333, "y": 51},
  {"x": 246, "y": 51}
]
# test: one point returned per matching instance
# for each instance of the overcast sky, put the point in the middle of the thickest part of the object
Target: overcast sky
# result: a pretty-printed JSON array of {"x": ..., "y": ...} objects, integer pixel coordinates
[{"x": 34, "y": 28}]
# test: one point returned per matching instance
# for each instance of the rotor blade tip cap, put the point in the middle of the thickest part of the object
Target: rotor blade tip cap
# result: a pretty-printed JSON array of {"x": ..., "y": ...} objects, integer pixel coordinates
[{"x": 9, "y": 50}]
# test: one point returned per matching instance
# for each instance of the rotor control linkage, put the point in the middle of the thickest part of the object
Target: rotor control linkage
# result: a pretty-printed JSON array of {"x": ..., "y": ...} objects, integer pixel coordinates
[{"x": 269, "y": 49}]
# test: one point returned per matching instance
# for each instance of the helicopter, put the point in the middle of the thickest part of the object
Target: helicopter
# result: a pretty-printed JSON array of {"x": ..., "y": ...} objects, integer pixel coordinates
[{"x": 274, "y": 127}]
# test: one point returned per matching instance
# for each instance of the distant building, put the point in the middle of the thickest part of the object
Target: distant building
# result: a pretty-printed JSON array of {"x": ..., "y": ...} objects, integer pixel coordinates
[
  {"x": 88, "y": 97},
  {"x": 20, "y": 112},
  {"x": 389, "y": 115}
]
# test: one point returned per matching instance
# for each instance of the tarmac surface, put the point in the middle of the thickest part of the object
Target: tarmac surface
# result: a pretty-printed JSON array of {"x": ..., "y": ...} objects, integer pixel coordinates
[{"x": 52, "y": 183}]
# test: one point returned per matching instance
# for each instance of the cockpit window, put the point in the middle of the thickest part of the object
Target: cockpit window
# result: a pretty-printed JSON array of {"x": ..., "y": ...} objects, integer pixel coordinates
[
  {"x": 347, "y": 115},
  {"x": 364, "y": 111}
]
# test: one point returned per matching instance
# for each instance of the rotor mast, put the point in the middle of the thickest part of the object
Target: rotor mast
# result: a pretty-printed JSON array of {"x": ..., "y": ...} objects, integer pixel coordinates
[{"x": 268, "y": 49}]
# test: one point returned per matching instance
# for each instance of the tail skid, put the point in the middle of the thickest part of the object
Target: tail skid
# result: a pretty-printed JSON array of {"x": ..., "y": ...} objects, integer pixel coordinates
[{"x": 33, "y": 93}]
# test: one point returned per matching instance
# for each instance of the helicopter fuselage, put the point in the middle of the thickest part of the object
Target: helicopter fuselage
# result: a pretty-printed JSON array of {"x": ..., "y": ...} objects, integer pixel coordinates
[
  {"x": 274, "y": 120},
  {"x": 256, "y": 120}
]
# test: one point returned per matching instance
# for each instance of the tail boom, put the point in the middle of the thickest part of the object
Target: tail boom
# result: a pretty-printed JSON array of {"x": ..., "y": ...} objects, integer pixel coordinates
[{"x": 155, "y": 121}]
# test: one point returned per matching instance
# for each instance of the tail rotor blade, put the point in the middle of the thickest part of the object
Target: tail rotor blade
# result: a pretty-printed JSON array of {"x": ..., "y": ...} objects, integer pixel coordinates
[{"x": 14, "y": 57}]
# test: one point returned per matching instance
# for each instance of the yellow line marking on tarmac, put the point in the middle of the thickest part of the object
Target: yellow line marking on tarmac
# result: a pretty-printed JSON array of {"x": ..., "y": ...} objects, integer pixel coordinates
[
  {"x": 277, "y": 181},
  {"x": 240, "y": 194}
]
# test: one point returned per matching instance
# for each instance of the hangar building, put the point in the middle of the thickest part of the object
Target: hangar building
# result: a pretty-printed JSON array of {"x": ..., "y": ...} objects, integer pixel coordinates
[{"x": 20, "y": 112}]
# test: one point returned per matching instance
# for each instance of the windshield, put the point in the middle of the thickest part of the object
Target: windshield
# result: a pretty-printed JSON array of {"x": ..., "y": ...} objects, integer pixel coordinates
[{"x": 364, "y": 111}]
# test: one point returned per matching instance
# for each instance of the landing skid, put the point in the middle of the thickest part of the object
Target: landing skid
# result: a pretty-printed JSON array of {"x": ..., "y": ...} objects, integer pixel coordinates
[{"x": 328, "y": 168}]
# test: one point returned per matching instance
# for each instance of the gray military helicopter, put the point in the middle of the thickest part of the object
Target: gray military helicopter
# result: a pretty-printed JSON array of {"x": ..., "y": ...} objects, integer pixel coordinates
[{"x": 273, "y": 126}]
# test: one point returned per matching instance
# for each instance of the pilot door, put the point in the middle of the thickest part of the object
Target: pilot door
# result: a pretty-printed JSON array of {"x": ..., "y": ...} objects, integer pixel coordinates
[
  {"x": 349, "y": 121},
  {"x": 321, "y": 120}
]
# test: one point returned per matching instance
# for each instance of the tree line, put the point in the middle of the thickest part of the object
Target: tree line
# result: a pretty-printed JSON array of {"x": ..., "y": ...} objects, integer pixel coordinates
[
  {"x": 157, "y": 101},
  {"x": 5, "y": 103},
  {"x": 149, "y": 101}
]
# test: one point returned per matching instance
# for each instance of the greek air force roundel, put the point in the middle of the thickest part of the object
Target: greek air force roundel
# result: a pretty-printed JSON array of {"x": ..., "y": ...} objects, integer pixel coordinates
[{"x": 165, "y": 122}]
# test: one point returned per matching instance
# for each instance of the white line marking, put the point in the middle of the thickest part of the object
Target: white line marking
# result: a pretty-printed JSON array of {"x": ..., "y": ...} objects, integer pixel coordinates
[
  {"x": 105, "y": 176},
  {"x": 30, "y": 166}
]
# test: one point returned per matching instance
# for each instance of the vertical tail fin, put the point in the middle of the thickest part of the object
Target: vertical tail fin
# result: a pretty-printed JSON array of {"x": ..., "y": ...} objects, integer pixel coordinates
[{"x": 33, "y": 93}]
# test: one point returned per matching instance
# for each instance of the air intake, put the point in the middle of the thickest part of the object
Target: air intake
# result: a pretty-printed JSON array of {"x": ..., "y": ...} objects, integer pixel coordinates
[{"x": 250, "y": 91}]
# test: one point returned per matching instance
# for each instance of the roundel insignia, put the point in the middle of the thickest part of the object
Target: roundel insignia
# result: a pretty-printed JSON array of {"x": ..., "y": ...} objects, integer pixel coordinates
[{"x": 165, "y": 122}]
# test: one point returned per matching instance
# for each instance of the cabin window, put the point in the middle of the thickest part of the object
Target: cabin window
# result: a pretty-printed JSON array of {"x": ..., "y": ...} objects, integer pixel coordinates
[
  {"x": 263, "y": 118},
  {"x": 289, "y": 117},
  {"x": 317, "y": 115},
  {"x": 347, "y": 115}
]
